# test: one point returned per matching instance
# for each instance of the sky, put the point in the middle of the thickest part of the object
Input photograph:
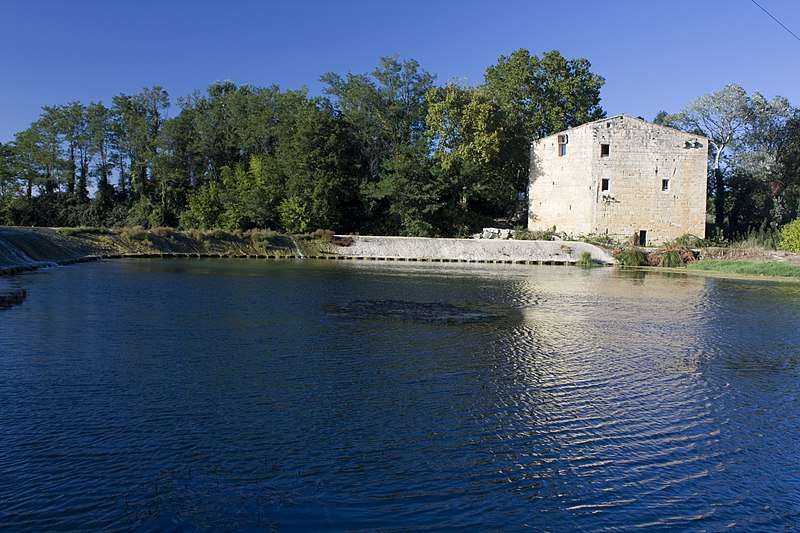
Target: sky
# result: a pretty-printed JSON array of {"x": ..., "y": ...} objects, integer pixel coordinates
[{"x": 654, "y": 54}]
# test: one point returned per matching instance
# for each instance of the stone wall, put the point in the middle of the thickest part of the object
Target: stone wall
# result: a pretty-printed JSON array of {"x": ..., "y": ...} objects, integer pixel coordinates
[
  {"x": 649, "y": 178},
  {"x": 466, "y": 250}
]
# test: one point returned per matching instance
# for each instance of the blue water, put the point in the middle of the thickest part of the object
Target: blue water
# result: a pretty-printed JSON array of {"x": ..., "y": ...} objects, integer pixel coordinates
[{"x": 205, "y": 395}]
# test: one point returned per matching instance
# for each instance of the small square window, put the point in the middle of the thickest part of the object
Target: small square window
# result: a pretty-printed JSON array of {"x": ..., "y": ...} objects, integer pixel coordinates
[
  {"x": 664, "y": 185},
  {"x": 605, "y": 150},
  {"x": 605, "y": 183}
]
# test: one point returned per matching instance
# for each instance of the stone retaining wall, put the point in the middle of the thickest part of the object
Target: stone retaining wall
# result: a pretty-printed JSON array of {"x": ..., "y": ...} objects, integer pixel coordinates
[{"x": 465, "y": 250}]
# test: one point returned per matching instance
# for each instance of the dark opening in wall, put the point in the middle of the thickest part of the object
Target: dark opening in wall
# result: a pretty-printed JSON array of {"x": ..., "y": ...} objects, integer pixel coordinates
[
  {"x": 664, "y": 185},
  {"x": 562, "y": 145},
  {"x": 605, "y": 150},
  {"x": 605, "y": 183},
  {"x": 642, "y": 237}
]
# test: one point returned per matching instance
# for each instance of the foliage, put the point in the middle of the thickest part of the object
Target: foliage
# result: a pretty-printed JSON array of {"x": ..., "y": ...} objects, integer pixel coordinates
[
  {"x": 790, "y": 236},
  {"x": 754, "y": 148},
  {"x": 165, "y": 232},
  {"x": 522, "y": 234},
  {"x": 135, "y": 233},
  {"x": 548, "y": 94},
  {"x": 585, "y": 260},
  {"x": 386, "y": 151},
  {"x": 630, "y": 256},
  {"x": 689, "y": 241},
  {"x": 81, "y": 230},
  {"x": 294, "y": 214}
]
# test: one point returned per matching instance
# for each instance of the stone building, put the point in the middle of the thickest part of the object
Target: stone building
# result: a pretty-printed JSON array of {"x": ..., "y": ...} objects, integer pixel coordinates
[{"x": 621, "y": 176}]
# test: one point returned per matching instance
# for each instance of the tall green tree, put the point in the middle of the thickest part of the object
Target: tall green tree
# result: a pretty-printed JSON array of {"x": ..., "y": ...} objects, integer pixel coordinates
[
  {"x": 547, "y": 94},
  {"x": 139, "y": 119},
  {"x": 386, "y": 109},
  {"x": 478, "y": 144}
]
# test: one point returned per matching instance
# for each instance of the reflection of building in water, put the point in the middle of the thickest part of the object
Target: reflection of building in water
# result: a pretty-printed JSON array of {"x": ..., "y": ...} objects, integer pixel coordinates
[
  {"x": 621, "y": 177},
  {"x": 584, "y": 318}
]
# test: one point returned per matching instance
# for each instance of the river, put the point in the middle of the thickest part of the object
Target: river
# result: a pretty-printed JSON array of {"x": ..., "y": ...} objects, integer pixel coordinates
[{"x": 244, "y": 395}]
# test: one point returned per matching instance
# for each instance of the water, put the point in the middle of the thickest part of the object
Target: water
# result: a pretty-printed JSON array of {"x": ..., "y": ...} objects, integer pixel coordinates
[{"x": 341, "y": 396}]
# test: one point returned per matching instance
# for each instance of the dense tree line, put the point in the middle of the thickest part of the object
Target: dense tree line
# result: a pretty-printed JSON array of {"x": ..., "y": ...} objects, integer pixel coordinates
[
  {"x": 387, "y": 152},
  {"x": 384, "y": 152}
]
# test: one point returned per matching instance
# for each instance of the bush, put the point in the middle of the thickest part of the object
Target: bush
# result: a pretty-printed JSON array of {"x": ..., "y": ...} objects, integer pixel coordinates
[
  {"x": 522, "y": 234},
  {"x": 325, "y": 234},
  {"x": 82, "y": 230},
  {"x": 164, "y": 232},
  {"x": 257, "y": 236},
  {"x": 136, "y": 233},
  {"x": 630, "y": 257},
  {"x": 600, "y": 240},
  {"x": 671, "y": 255},
  {"x": 585, "y": 260},
  {"x": 790, "y": 236},
  {"x": 687, "y": 240}
]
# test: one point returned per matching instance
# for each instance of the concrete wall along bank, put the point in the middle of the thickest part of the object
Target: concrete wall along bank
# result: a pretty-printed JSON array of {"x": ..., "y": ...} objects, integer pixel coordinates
[{"x": 465, "y": 250}]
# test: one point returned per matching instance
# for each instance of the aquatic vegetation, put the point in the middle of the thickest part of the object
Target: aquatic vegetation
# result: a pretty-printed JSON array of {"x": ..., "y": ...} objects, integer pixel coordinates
[
  {"x": 413, "y": 311},
  {"x": 585, "y": 260}
]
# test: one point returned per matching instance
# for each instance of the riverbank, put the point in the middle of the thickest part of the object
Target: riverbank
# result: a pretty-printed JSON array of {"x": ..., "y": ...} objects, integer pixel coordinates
[{"x": 25, "y": 249}]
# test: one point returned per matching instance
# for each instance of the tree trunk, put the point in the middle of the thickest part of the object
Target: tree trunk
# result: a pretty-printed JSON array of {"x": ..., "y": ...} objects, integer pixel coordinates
[
  {"x": 719, "y": 199},
  {"x": 72, "y": 170}
]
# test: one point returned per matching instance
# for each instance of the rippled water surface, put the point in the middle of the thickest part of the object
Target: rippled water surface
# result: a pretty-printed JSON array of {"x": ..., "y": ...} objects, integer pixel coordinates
[{"x": 244, "y": 395}]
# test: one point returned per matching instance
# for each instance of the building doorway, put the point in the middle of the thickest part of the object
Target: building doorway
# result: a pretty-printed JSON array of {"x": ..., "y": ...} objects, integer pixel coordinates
[{"x": 642, "y": 237}]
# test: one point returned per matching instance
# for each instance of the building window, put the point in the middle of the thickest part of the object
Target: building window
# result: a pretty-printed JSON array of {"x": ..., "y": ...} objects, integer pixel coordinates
[
  {"x": 664, "y": 185},
  {"x": 605, "y": 150},
  {"x": 605, "y": 183},
  {"x": 562, "y": 145}
]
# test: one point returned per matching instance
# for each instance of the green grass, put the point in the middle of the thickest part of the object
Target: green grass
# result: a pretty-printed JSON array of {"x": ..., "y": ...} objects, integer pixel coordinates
[
  {"x": 81, "y": 230},
  {"x": 585, "y": 261},
  {"x": 752, "y": 268}
]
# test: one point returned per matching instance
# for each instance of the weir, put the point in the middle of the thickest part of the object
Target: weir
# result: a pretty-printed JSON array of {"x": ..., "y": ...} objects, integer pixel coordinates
[{"x": 27, "y": 248}]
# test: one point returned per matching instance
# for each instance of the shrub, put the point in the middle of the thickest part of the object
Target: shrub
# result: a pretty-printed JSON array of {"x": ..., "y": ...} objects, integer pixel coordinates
[
  {"x": 670, "y": 255},
  {"x": 82, "y": 230},
  {"x": 790, "y": 236},
  {"x": 325, "y": 234},
  {"x": 687, "y": 240},
  {"x": 218, "y": 234},
  {"x": 136, "y": 233},
  {"x": 522, "y": 234},
  {"x": 585, "y": 260},
  {"x": 600, "y": 240},
  {"x": 630, "y": 257},
  {"x": 257, "y": 236},
  {"x": 164, "y": 232}
]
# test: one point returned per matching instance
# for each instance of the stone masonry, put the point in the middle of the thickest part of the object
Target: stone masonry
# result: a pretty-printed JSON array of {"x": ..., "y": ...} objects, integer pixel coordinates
[{"x": 623, "y": 177}]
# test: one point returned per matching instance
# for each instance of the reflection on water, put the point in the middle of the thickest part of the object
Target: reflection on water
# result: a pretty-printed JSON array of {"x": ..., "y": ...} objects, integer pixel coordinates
[{"x": 214, "y": 395}]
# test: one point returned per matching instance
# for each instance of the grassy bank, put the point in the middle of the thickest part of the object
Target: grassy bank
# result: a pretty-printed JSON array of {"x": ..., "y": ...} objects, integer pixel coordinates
[
  {"x": 748, "y": 268},
  {"x": 23, "y": 247}
]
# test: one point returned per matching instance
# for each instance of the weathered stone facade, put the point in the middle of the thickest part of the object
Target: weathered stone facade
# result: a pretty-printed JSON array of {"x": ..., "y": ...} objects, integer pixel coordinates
[{"x": 621, "y": 177}]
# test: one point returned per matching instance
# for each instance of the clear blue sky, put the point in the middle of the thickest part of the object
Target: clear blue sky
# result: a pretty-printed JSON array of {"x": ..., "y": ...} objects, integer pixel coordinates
[{"x": 654, "y": 54}]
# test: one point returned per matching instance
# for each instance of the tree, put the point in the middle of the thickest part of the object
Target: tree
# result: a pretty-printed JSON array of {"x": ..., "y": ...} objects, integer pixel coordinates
[
  {"x": 546, "y": 95},
  {"x": 478, "y": 144},
  {"x": 385, "y": 110},
  {"x": 139, "y": 119},
  {"x": 722, "y": 116}
]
